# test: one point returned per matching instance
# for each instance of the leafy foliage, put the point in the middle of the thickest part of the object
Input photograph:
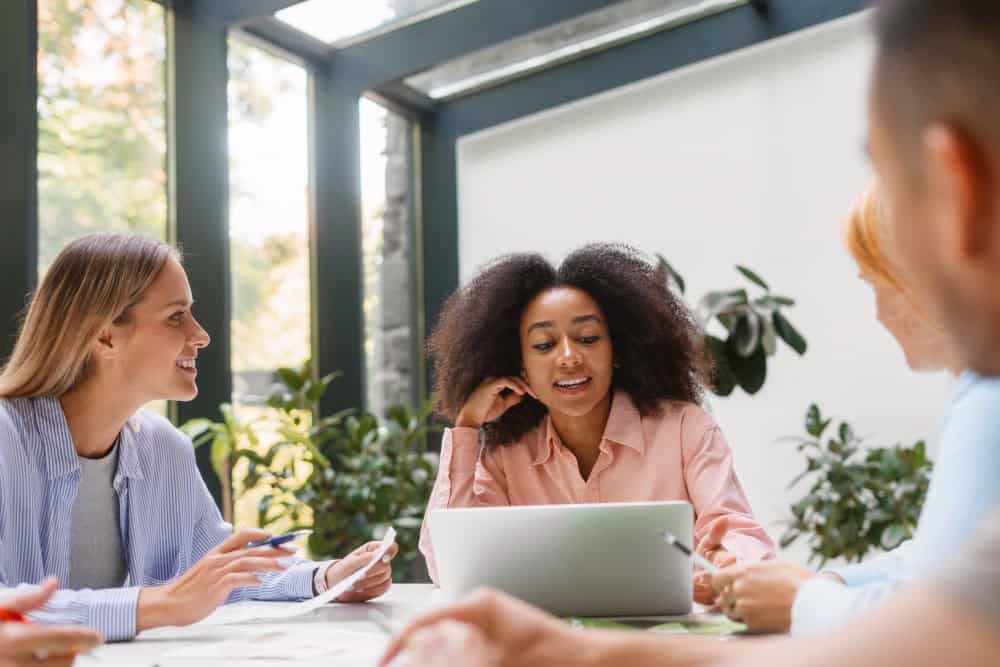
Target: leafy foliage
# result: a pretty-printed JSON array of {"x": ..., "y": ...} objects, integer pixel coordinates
[
  {"x": 753, "y": 328},
  {"x": 859, "y": 499},
  {"x": 102, "y": 144},
  {"x": 230, "y": 440},
  {"x": 357, "y": 473}
]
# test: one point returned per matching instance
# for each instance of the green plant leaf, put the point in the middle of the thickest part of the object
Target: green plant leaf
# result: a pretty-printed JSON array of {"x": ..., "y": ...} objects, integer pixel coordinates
[
  {"x": 715, "y": 303},
  {"x": 666, "y": 273},
  {"x": 768, "y": 337},
  {"x": 752, "y": 277},
  {"x": 893, "y": 536},
  {"x": 222, "y": 447},
  {"x": 722, "y": 378},
  {"x": 750, "y": 372},
  {"x": 788, "y": 333},
  {"x": 291, "y": 378},
  {"x": 815, "y": 424},
  {"x": 745, "y": 336}
]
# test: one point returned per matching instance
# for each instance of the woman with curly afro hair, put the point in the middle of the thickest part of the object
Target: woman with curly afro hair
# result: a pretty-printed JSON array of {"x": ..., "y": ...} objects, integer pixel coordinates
[{"x": 582, "y": 384}]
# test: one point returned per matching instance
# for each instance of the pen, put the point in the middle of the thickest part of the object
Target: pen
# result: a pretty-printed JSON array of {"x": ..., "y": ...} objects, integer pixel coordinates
[
  {"x": 694, "y": 555},
  {"x": 278, "y": 540},
  {"x": 7, "y": 616}
]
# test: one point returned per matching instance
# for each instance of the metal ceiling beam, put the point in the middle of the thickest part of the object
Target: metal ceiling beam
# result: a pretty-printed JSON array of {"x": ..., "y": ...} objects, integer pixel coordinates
[
  {"x": 232, "y": 12},
  {"x": 287, "y": 39},
  {"x": 424, "y": 44}
]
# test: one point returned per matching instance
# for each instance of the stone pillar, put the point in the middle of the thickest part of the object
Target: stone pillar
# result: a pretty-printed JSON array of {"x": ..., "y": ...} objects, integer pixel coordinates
[{"x": 391, "y": 383}]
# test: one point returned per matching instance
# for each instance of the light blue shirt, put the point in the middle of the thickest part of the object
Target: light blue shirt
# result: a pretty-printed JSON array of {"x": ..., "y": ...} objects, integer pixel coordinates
[
  {"x": 167, "y": 518},
  {"x": 965, "y": 486}
]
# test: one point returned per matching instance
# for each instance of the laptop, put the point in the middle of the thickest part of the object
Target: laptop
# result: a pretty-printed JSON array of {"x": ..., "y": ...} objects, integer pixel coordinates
[{"x": 605, "y": 559}]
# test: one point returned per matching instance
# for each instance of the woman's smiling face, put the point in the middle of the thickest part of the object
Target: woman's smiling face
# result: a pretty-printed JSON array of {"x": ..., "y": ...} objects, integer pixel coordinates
[{"x": 566, "y": 350}]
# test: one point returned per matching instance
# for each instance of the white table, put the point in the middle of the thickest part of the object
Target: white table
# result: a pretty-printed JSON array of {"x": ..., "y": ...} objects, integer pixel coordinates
[{"x": 345, "y": 630}]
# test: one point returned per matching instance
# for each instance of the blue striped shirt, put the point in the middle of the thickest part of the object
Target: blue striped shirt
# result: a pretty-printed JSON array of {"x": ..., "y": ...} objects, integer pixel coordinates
[{"x": 168, "y": 519}]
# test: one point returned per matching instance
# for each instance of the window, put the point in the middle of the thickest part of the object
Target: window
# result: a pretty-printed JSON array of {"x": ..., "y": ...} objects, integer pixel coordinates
[
  {"x": 269, "y": 234},
  {"x": 102, "y": 145},
  {"x": 347, "y": 22}
]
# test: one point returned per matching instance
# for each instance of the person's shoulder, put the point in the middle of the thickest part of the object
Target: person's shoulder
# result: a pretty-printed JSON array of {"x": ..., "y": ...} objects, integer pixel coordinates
[
  {"x": 973, "y": 384},
  {"x": 13, "y": 412},
  {"x": 160, "y": 433},
  {"x": 14, "y": 418},
  {"x": 977, "y": 398},
  {"x": 9, "y": 414},
  {"x": 689, "y": 416}
]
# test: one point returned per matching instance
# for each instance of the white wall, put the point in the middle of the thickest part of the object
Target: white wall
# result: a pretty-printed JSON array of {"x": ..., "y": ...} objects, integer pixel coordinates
[{"x": 753, "y": 158}]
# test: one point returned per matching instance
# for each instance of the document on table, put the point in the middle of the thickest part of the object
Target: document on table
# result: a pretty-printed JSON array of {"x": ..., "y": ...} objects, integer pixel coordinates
[
  {"x": 243, "y": 612},
  {"x": 344, "y": 646}
]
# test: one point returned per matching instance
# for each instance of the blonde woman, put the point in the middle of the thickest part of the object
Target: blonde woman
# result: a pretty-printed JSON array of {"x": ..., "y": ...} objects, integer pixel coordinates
[{"x": 104, "y": 495}]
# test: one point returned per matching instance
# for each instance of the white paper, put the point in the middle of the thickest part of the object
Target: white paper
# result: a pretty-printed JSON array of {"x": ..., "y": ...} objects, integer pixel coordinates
[
  {"x": 243, "y": 612},
  {"x": 289, "y": 646}
]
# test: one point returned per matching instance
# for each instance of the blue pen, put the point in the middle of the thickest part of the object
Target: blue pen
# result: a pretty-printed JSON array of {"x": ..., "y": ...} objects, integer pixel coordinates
[{"x": 278, "y": 540}]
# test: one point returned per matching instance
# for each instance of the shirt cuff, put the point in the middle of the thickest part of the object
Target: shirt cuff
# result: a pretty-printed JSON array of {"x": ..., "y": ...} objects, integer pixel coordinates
[
  {"x": 298, "y": 581},
  {"x": 319, "y": 577},
  {"x": 112, "y": 612}
]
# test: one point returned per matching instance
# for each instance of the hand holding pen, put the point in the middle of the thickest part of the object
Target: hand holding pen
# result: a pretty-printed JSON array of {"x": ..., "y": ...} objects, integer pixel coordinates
[{"x": 23, "y": 643}]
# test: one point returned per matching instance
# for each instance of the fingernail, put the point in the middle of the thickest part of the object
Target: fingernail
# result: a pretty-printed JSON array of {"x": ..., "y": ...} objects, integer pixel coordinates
[{"x": 386, "y": 559}]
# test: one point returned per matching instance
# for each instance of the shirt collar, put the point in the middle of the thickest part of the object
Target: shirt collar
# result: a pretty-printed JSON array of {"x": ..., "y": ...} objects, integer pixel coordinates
[
  {"x": 624, "y": 427},
  {"x": 60, "y": 454}
]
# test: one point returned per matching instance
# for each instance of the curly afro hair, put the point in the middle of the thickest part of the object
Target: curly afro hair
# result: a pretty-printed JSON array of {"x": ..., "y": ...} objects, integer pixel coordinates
[{"x": 653, "y": 335}]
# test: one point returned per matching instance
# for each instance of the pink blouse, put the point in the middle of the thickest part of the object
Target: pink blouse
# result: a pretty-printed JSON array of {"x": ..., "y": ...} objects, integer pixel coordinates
[{"x": 678, "y": 455}]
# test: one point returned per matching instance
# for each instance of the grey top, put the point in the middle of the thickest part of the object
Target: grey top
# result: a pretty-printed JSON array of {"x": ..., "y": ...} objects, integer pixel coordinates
[
  {"x": 97, "y": 559},
  {"x": 974, "y": 576}
]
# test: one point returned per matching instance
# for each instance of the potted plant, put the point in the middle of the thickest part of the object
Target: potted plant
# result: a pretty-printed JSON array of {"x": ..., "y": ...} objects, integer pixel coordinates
[
  {"x": 859, "y": 499},
  {"x": 749, "y": 330}
]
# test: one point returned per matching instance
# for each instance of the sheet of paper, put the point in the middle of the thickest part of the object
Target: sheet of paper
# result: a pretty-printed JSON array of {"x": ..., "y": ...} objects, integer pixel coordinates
[
  {"x": 243, "y": 612},
  {"x": 279, "y": 645}
]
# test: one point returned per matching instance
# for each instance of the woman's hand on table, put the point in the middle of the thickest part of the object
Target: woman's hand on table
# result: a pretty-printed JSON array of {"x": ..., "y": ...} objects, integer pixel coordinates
[
  {"x": 761, "y": 595},
  {"x": 378, "y": 580},
  {"x": 704, "y": 593}
]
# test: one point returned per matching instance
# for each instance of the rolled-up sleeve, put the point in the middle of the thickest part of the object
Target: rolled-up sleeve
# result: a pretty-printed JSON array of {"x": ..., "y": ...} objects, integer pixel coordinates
[
  {"x": 110, "y": 611},
  {"x": 723, "y": 518},
  {"x": 463, "y": 480}
]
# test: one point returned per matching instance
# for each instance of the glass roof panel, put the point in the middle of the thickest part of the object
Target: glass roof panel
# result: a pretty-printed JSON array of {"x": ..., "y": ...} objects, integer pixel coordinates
[
  {"x": 344, "y": 22},
  {"x": 588, "y": 33}
]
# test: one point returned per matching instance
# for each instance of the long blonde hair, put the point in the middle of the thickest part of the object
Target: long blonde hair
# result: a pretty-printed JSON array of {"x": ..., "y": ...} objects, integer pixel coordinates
[{"x": 93, "y": 282}]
